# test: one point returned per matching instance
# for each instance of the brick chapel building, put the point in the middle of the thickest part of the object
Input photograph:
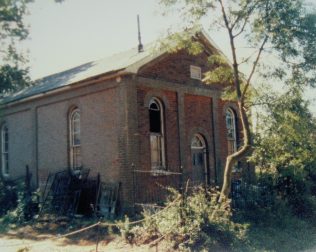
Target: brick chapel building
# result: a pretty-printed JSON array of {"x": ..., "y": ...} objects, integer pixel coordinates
[{"x": 148, "y": 109}]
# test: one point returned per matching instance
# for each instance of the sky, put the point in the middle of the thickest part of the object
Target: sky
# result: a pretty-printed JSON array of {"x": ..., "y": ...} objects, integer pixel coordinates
[
  {"x": 78, "y": 31},
  {"x": 74, "y": 32}
]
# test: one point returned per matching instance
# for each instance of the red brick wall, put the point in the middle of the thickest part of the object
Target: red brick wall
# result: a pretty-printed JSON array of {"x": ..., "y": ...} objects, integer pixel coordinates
[
  {"x": 197, "y": 112},
  {"x": 176, "y": 67},
  {"x": 171, "y": 128},
  {"x": 198, "y": 119}
]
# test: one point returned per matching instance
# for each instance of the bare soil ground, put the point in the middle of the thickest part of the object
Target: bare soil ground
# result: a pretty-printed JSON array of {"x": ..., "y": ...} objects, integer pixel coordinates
[
  {"x": 9, "y": 244},
  {"x": 45, "y": 237}
]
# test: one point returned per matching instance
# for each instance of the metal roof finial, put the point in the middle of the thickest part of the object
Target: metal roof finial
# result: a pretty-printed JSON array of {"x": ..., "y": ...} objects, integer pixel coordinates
[{"x": 140, "y": 45}]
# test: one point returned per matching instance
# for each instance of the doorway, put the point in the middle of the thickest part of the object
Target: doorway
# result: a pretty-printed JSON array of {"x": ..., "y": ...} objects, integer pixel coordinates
[{"x": 199, "y": 160}]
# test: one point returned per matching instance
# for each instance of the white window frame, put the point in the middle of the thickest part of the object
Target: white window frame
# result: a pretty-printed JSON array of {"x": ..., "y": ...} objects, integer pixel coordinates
[
  {"x": 159, "y": 137},
  {"x": 75, "y": 148},
  {"x": 5, "y": 150},
  {"x": 231, "y": 130},
  {"x": 195, "y": 72}
]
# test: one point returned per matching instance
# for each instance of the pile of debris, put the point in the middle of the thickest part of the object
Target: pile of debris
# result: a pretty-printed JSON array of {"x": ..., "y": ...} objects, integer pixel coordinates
[{"x": 72, "y": 192}]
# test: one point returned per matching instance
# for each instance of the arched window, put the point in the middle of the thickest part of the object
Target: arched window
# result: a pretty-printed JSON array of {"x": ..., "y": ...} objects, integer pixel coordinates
[
  {"x": 156, "y": 128},
  {"x": 231, "y": 131},
  {"x": 74, "y": 137},
  {"x": 5, "y": 150}
]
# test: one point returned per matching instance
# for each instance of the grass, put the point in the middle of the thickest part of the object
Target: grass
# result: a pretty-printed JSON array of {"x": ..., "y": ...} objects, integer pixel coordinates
[
  {"x": 299, "y": 237},
  {"x": 280, "y": 232}
]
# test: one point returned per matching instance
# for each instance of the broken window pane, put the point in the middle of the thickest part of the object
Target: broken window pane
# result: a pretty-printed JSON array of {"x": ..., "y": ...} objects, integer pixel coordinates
[
  {"x": 155, "y": 118},
  {"x": 156, "y": 135}
]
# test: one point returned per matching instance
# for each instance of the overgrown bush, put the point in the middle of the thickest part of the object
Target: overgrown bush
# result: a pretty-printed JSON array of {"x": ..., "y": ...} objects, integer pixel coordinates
[
  {"x": 193, "y": 222},
  {"x": 285, "y": 149},
  {"x": 8, "y": 196},
  {"x": 293, "y": 189},
  {"x": 17, "y": 204}
]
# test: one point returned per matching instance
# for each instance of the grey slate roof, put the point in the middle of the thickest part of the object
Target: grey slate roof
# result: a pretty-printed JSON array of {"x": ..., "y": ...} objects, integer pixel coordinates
[{"x": 128, "y": 61}]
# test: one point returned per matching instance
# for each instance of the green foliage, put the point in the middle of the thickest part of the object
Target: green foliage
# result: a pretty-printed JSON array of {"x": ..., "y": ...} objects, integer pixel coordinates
[
  {"x": 8, "y": 196},
  {"x": 218, "y": 60},
  {"x": 13, "y": 73},
  {"x": 220, "y": 75},
  {"x": 12, "y": 13},
  {"x": 12, "y": 30},
  {"x": 285, "y": 148},
  {"x": 196, "y": 222},
  {"x": 13, "y": 78},
  {"x": 288, "y": 26},
  {"x": 18, "y": 205},
  {"x": 182, "y": 40},
  {"x": 286, "y": 138},
  {"x": 285, "y": 29}
]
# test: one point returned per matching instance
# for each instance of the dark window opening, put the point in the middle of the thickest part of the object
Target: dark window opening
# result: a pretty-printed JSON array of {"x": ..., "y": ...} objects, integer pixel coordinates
[
  {"x": 156, "y": 135},
  {"x": 155, "y": 118}
]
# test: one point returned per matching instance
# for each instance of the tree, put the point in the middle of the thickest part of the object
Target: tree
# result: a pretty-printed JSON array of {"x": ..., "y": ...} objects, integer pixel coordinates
[
  {"x": 13, "y": 73},
  {"x": 285, "y": 148},
  {"x": 286, "y": 134},
  {"x": 284, "y": 28},
  {"x": 12, "y": 31}
]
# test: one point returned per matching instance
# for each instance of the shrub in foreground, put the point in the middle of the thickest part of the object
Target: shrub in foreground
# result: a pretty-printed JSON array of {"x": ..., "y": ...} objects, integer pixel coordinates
[
  {"x": 17, "y": 204},
  {"x": 187, "y": 223}
]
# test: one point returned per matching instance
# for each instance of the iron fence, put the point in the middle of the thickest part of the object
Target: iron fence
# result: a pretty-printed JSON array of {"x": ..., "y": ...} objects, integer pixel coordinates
[
  {"x": 245, "y": 195},
  {"x": 152, "y": 188}
]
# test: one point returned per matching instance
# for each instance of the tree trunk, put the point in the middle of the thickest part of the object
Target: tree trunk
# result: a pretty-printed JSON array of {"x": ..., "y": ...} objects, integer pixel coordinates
[{"x": 235, "y": 157}]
